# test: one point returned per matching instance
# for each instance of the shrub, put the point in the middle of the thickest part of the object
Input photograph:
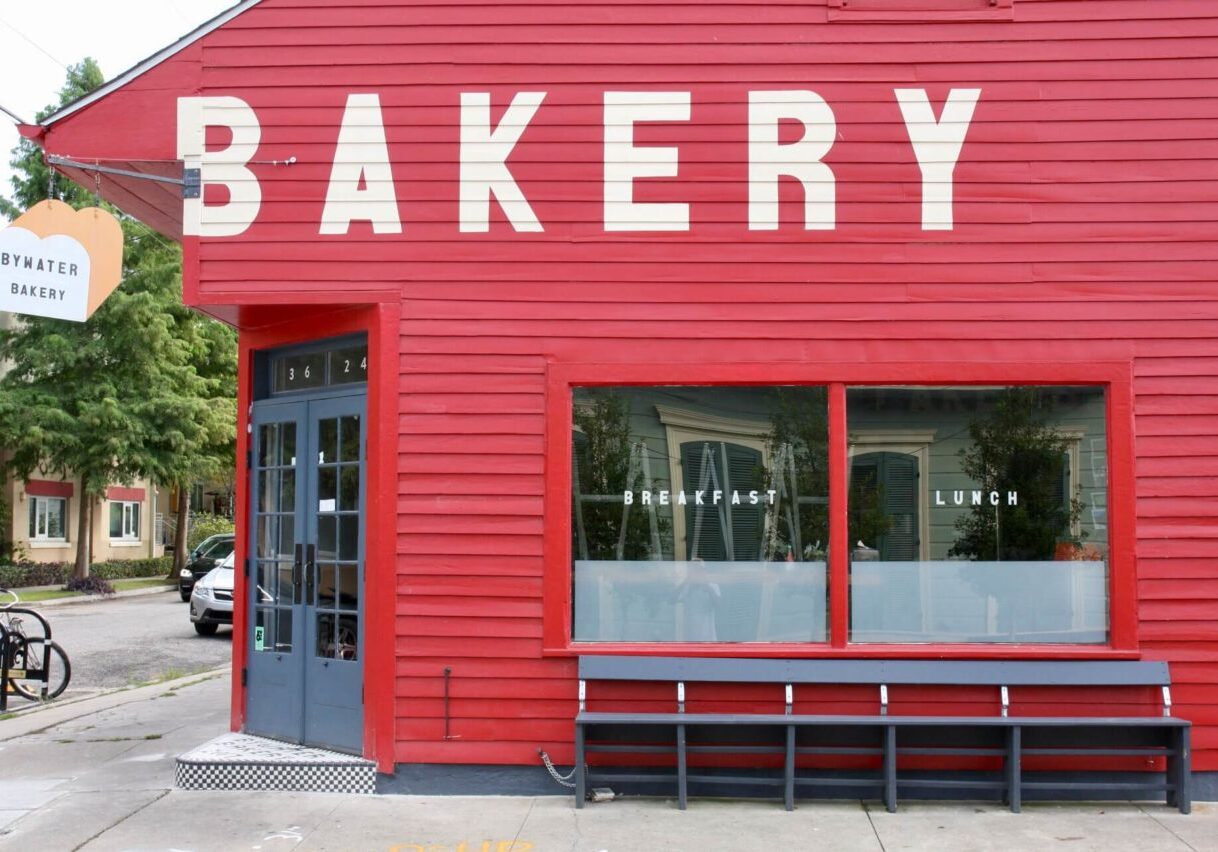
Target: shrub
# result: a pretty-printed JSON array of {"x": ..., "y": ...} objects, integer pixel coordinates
[
  {"x": 91, "y": 585},
  {"x": 121, "y": 569},
  {"x": 205, "y": 526},
  {"x": 21, "y": 574}
]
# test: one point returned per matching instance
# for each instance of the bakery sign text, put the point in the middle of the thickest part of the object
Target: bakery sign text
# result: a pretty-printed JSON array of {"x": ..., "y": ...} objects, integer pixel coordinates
[{"x": 361, "y": 186}]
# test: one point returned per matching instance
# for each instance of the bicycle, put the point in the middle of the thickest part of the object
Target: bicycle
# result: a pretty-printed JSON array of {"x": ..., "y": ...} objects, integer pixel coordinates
[{"x": 41, "y": 666}]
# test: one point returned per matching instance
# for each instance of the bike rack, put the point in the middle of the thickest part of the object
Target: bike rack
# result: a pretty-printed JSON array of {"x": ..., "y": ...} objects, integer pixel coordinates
[{"x": 7, "y": 673}]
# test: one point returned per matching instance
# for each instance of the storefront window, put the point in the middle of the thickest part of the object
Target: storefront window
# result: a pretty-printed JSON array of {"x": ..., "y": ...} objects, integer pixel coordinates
[
  {"x": 978, "y": 514},
  {"x": 700, "y": 514}
]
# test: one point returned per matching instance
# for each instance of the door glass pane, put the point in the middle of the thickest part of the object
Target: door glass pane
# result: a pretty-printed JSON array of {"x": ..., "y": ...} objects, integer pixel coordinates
[
  {"x": 348, "y": 586},
  {"x": 286, "y": 588},
  {"x": 327, "y": 537},
  {"x": 350, "y": 437},
  {"x": 348, "y": 537},
  {"x": 327, "y": 489},
  {"x": 288, "y": 454},
  {"x": 287, "y": 535},
  {"x": 266, "y": 582},
  {"x": 268, "y": 536},
  {"x": 326, "y": 584},
  {"x": 348, "y": 488},
  {"x": 327, "y": 440},
  {"x": 347, "y": 638},
  {"x": 337, "y": 636},
  {"x": 269, "y": 497},
  {"x": 287, "y": 491},
  {"x": 268, "y": 445}
]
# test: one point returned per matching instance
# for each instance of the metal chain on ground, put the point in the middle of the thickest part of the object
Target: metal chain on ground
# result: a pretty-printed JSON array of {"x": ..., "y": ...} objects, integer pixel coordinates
[{"x": 564, "y": 780}]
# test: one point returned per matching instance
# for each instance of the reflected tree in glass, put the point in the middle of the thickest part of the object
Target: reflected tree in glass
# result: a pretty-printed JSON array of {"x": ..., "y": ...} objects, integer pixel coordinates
[
  {"x": 608, "y": 463},
  {"x": 798, "y": 450},
  {"x": 1014, "y": 448}
]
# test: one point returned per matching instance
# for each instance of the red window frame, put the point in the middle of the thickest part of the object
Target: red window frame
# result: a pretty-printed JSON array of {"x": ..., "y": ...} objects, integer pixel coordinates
[{"x": 1114, "y": 377}]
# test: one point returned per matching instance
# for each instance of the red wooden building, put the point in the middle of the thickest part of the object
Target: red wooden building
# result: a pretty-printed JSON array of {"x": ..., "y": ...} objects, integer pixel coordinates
[{"x": 802, "y": 329}]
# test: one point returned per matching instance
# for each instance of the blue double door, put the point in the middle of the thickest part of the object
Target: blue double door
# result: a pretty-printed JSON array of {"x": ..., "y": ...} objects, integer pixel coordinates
[{"x": 305, "y": 571}]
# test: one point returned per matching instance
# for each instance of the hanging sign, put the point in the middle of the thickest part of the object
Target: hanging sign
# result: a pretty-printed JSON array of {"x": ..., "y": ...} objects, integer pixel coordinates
[{"x": 58, "y": 262}]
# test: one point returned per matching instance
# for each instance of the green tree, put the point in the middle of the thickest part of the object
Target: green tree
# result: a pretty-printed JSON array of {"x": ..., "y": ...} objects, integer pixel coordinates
[
  {"x": 144, "y": 388},
  {"x": 31, "y": 174}
]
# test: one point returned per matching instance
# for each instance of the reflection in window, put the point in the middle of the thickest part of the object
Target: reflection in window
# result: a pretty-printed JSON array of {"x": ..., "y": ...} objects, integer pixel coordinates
[
  {"x": 981, "y": 528},
  {"x": 700, "y": 514}
]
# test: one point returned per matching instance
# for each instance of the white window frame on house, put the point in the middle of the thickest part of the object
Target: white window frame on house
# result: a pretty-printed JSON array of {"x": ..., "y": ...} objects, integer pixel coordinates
[
  {"x": 682, "y": 426},
  {"x": 906, "y": 442},
  {"x": 41, "y": 519},
  {"x": 131, "y": 520}
]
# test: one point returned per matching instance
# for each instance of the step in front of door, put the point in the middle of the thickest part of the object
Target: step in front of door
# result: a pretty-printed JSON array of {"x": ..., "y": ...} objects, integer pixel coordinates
[{"x": 244, "y": 762}]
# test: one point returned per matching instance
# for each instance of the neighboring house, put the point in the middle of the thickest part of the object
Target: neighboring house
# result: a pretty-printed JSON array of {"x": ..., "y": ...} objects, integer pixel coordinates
[
  {"x": 45, "y": 514},
  {"x": 45, "y": 520}
]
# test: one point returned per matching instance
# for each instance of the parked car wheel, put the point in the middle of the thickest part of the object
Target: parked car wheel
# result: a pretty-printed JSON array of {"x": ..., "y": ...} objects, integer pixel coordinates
[
  {"x": 185, "y": 595},
  {"x": 205, "y": 629}
]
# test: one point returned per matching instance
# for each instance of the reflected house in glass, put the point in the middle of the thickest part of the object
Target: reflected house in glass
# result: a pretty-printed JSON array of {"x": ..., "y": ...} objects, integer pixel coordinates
[{"x": 685, "y": 335}]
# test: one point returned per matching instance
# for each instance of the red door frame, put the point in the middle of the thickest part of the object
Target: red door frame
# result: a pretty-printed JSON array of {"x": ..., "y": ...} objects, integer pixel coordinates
[
  {"x": 1116, "y": 377},
  {"x": 381, "y": 323}
]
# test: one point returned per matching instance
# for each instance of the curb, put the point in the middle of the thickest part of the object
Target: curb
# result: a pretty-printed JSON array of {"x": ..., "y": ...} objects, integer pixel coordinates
[
  {"x": 82, "y": 599},
  {"x": 39, "y": 719}
]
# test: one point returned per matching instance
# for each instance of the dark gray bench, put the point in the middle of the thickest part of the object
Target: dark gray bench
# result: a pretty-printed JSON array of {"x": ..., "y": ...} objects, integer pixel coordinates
[{"x": 784, "y": 736}]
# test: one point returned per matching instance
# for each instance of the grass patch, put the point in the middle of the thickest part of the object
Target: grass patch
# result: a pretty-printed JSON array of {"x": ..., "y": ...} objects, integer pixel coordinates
[
  {"x": 34, "y": 596},
  {"x": 44, "y": 595}
]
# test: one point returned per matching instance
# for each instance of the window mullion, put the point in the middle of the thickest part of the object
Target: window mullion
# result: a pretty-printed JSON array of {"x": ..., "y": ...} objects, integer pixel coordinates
[{"x": 839, "y": 532}]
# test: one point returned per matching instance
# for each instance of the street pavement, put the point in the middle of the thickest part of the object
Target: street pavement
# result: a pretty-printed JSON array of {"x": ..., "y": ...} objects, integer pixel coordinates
[
  {"x": 97, "y": 774},
  {"x": 124, "y": 641}
]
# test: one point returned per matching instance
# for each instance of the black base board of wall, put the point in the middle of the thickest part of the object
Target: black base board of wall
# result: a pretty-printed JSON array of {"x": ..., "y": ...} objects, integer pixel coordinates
[{"x": 429, "y": 779}]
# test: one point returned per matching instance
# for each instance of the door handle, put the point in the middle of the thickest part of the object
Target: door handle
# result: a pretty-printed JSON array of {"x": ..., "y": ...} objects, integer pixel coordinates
[
  {"x": 310, "y": 556},
  {"x": 297, "y": 567}
]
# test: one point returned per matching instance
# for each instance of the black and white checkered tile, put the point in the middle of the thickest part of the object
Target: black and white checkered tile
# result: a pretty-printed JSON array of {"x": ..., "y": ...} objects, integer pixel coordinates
[{"x": 243, "y": 762}]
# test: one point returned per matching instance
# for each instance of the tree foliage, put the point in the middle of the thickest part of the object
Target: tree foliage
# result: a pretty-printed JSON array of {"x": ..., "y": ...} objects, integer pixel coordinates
[
  {"x": 31, "y": 174},
  {"x": 1015, "y": 449},
  {"x": 144, "y": 389}
]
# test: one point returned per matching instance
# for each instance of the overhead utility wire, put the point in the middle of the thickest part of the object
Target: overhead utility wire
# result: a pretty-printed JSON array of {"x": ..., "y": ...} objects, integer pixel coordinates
[{"x": 34, "y": 44}]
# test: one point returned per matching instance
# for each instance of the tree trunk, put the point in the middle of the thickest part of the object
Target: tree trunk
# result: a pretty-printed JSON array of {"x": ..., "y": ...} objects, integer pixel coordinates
[
  {"x": 83, "y": 538},
  {"x": 182, "y": 531}
]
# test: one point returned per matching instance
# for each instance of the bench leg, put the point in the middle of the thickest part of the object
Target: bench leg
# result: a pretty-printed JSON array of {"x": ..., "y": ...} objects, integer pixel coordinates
[
  {"x": 789, "y": 770},
  {"x": 580, "y": 781},
  {"x": 1179, "y": 776},
  {"x": 682, "y": 779},
  {"x": 890, "y": 768},
  {"x": 1014, "y": 771}
]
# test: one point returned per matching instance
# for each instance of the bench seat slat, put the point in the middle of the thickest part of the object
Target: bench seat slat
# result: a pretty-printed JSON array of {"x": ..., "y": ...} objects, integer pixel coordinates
[{"x": 907, "y": 672}]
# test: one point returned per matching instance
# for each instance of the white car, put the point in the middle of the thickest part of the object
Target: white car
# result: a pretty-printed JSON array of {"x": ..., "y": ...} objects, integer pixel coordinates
[{"x": 211, "y": 601}]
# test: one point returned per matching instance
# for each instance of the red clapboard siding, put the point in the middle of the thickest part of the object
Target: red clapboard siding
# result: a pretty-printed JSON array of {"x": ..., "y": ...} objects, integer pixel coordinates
[{"x": 1085, "y": 204}]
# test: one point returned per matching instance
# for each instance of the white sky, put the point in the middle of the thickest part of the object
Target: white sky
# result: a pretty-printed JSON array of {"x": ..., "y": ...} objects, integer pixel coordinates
[{"x": 39, "y": 39}]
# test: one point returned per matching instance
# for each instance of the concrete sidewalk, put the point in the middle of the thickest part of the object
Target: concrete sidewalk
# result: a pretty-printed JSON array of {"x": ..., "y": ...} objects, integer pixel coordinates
[{"x": 98, "y": 775}]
